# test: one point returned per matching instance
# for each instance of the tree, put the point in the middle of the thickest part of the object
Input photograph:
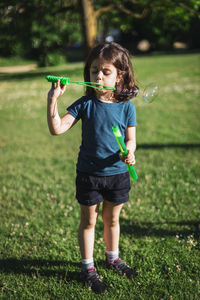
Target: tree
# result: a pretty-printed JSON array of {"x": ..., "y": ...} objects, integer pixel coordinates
[
  {"x": 90, "y": 15},
  {"x": 164, "y": 21}
]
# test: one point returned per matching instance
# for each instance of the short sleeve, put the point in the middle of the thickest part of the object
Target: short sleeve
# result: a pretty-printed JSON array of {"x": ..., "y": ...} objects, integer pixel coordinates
[
  {"x": 131, "y": 115},
  {"x": 76, "y": 108}
]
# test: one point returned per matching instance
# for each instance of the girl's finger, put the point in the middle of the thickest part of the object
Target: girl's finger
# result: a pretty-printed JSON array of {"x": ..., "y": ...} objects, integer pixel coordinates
[
  {"x": 121, "y": 156},
  {"x": 63, "y": 87},
  {"x": 58, "y": 83}
]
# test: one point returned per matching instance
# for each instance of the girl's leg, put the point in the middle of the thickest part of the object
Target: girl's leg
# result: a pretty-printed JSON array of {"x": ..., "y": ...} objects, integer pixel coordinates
[
  {"x": 110, "y": 215},
  {"x": 86, "y": 231}
]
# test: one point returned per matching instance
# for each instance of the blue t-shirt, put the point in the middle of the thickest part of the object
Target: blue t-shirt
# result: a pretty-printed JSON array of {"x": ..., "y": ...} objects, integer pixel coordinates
[{"x": 99, "y": 151}]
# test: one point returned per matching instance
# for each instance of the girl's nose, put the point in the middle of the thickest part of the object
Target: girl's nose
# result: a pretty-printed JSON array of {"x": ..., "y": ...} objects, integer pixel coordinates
[{"x": 99, "y": 75}]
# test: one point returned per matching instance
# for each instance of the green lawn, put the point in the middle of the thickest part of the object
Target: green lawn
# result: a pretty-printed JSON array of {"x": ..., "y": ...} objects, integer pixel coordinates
[
  {"x": 15, "y": 61},
  {"x": 39, "y": 254}
]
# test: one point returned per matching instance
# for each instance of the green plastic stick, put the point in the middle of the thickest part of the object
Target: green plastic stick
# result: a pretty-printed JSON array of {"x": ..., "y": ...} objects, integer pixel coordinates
[
  {"x": 124, "y": 151},
  {"x": 66, "y": 80},
  {"x": 63, "y": 80}
]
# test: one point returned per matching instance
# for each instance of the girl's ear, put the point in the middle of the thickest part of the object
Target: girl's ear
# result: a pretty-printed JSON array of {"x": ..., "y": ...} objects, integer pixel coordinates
[{"x": 119, "y": 77}]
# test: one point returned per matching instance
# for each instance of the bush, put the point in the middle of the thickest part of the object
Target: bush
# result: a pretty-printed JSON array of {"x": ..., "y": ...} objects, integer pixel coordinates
[{"x": 51, "y": 59}]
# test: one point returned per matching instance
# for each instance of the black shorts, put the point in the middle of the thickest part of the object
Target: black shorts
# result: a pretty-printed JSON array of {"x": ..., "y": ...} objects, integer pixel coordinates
[{"x": 91, "y": 189}]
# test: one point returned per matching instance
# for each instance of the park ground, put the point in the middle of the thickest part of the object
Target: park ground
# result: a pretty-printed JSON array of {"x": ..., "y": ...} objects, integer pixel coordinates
[{"x": 39, "y": 253}]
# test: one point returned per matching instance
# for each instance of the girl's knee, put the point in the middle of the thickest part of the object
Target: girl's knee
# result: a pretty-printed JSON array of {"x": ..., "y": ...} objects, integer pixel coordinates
[
  {"x": 89, "y": 217},
  {"x": 88, "y": 223},
  {"x": 111, "y": 213},
  {"x": 110, "y": 221}
]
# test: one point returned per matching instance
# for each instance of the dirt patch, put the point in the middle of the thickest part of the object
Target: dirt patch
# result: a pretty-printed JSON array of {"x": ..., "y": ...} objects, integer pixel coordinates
[{"x": 18, "y": 69}]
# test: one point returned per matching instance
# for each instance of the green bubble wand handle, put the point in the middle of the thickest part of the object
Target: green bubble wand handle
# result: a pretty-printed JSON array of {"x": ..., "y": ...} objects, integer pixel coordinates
[
  {"x": 66, "y": 80},
  {"x": 124, "y": 151}
]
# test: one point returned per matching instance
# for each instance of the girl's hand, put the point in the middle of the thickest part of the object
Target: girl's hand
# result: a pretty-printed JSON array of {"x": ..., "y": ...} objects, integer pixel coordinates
[
  {"x": 56, "y": 90},
  {"x": 128, "y": 159}
]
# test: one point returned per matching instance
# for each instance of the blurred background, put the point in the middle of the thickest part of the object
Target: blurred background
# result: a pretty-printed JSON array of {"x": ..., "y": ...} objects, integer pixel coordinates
[{"x": 54, "y": 32}]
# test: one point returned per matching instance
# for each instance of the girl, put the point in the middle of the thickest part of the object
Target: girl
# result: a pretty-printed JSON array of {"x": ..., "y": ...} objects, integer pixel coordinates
[{"x": 101, "y": 174}]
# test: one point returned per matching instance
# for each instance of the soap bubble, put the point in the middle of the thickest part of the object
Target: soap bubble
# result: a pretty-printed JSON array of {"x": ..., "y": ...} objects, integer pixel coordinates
[{"x": 150, "y": 92}]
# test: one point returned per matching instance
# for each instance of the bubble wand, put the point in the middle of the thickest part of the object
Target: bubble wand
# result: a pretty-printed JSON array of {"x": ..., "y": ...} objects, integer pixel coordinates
[
  {"x": 124, "y": 151},
  {"x": 66, "y": 81}
]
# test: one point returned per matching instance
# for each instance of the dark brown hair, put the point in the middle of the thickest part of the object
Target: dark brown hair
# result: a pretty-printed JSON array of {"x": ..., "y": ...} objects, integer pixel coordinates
[{"x": 120, "y": 58}]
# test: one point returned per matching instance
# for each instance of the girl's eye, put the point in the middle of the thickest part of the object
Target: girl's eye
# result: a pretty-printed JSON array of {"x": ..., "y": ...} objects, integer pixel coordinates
[{"x": 106, "y": 72}]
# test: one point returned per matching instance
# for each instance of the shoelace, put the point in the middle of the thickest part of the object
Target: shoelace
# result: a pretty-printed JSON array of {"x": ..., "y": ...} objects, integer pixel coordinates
[
  {"x": 93, "y": 275},
  {"x": 121, "y": 266}
]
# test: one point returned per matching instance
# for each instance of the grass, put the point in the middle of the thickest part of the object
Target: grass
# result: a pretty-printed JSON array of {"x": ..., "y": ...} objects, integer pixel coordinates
[
  {"x": 15, "y": 61},
  {"x": 39, "y": 255}
]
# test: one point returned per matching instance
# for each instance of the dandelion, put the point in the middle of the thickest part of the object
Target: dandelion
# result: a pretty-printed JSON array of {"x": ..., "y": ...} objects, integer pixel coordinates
[
  {"x": 191, "y": 241},
  {"x": 100, "y": 240},
  {"x": 178, "y": 268}
]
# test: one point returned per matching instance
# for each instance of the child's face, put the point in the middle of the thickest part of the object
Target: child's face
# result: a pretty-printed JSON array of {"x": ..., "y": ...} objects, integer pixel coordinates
[{"x": 103, "y": 72}]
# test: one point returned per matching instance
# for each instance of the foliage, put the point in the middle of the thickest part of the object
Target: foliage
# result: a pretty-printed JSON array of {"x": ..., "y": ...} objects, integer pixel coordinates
[
  {"x": 39, "y": 256},
  {"x": 160, "y": 22},
  {"x": 42, "y": 29},
  {"x": 173, "y": 22},
  {"x": 38, "y": 29}
]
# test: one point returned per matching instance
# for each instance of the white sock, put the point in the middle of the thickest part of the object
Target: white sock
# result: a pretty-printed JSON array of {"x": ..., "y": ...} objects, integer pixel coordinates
[
  {"x": 87, "y": 264},
  {"x": 112, "y": 255}
]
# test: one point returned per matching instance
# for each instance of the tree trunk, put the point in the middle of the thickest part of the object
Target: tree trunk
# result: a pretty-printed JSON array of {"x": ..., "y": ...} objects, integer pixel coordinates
[{"x": 89, "y": 24}]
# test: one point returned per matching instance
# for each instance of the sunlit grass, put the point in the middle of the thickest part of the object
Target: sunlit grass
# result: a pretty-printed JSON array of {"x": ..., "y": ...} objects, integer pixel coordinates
[{"x": 38, "y": 210}]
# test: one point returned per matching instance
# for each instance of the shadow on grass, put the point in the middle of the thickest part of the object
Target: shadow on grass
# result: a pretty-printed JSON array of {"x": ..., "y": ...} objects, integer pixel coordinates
[
  {"x": 170, "y": 145},
  {"x": 63, "y": 71},
  {"x": 41, "y": 267},
  {"x": 141, "y": 229},
  {"x": 61, "y": 269}
]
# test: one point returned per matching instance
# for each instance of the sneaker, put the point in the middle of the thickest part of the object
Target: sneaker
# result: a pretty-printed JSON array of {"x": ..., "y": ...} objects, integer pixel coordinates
[
  {"x": 91, "y": 278},
  {"x": 122, "y": 268}
]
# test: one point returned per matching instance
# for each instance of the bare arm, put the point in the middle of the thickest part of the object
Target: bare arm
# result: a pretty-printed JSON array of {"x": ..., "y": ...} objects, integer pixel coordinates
[
  {"x": 130, "y": 138},
  {"x": 56, "y": 124}
]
